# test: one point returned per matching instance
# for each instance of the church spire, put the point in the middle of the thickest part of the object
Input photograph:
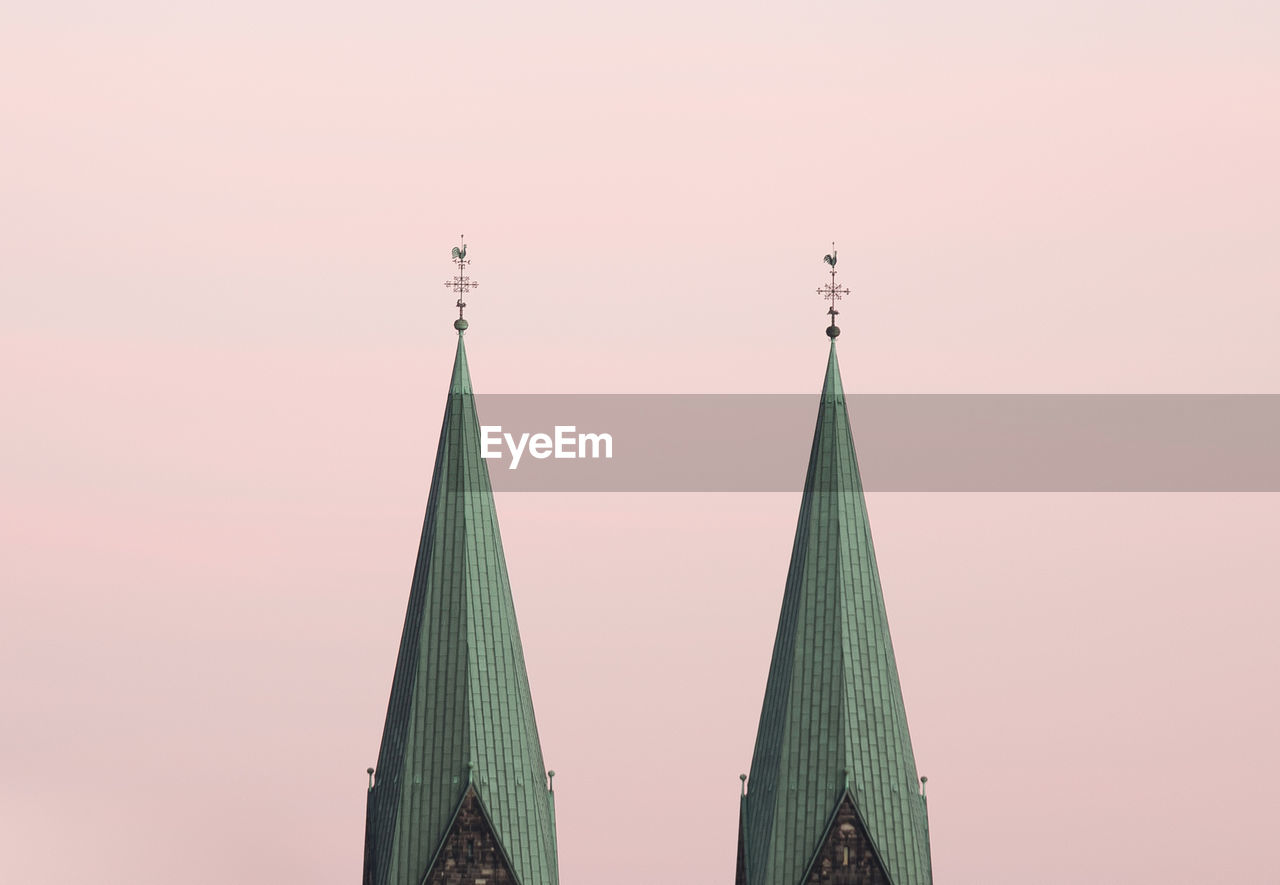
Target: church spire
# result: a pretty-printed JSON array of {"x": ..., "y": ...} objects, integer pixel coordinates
[
  {"x": 833, "y": 778},
  {"x": 460, "y": 781}
]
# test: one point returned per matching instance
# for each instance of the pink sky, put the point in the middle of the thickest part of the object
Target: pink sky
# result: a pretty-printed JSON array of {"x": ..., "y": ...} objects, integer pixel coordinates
[{"x": 226, "y": 347}]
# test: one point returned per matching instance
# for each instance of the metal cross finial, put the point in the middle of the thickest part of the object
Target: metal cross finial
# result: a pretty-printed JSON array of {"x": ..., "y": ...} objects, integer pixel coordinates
[
  {"x": 832, "y": 291},
  {"x": 461, "y": 283}
]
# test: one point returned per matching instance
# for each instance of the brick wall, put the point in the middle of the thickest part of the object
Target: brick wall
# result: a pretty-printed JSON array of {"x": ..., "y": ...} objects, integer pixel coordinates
[
  {"x": 846, "y": 858},
  {"x": 470, "y": 855}
]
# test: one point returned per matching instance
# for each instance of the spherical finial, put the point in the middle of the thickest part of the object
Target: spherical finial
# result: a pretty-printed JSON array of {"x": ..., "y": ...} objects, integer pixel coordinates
[
  {"x": 743, "y": 778},
  {"x": 460, "y": 324},
  {"x": 833, "y": 331},
  {"x": 370, "y": 771}
]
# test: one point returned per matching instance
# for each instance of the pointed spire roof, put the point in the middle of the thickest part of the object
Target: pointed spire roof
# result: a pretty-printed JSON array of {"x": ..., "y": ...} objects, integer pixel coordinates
[
  {"x": 833, "y": 722},
  {"x": 460, "y": 713}
]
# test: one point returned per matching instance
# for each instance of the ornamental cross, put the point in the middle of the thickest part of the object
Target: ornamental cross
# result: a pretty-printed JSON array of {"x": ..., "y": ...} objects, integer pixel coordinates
[
  {"x": 461, "y": 283},
  {"x": 831, "y": 290}
]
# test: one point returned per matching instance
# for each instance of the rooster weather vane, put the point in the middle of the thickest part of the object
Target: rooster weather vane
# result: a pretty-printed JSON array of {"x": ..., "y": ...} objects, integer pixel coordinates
[
  {"x": 461, "y": 283},
  {"x": 834, "y": 292}
]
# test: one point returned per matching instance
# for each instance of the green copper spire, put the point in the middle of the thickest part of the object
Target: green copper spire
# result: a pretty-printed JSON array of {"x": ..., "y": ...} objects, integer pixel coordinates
[
  {"x": 832, "y": 752},
  {"x": 460, "y": 718}
]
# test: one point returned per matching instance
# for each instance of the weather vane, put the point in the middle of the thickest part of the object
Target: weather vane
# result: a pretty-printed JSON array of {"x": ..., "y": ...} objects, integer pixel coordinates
[
  {"x": 461, "y": 283},
  {"x": 832, "y": 291}
]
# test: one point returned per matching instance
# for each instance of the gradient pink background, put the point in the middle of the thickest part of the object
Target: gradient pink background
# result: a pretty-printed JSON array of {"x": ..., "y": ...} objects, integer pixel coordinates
[{"x": 225, "y": 347}]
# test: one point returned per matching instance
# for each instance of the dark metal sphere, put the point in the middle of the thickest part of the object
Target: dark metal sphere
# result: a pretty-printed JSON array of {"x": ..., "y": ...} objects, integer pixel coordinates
[
  {"x": 460, "y": 324},
  {"x": 833, "y": 331}
]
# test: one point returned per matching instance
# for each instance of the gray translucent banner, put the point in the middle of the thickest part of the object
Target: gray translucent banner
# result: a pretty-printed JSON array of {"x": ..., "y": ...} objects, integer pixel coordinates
[{"x": 929, "y": 442}]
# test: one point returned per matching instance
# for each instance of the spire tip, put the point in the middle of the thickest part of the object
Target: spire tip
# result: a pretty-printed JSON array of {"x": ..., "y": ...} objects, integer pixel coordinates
[
  {"x": 461, "y": 283},
  {"x": 832, "y": 291}
]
